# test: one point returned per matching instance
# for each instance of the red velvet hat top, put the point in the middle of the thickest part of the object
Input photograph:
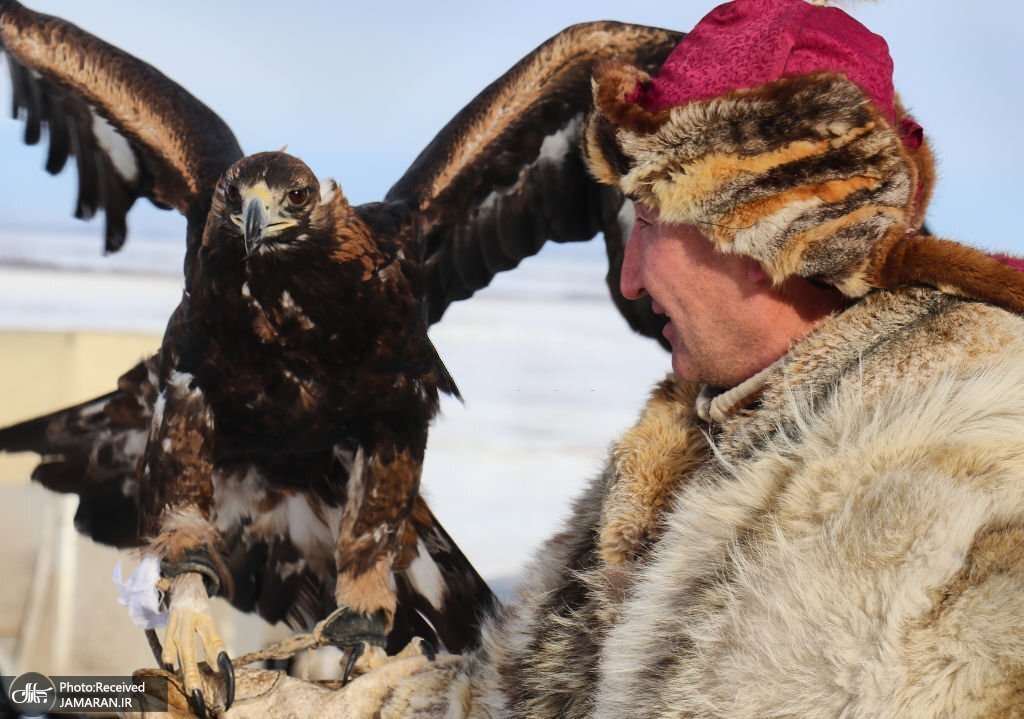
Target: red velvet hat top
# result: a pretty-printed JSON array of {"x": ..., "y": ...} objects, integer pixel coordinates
[{"x": 746, "y": 43}]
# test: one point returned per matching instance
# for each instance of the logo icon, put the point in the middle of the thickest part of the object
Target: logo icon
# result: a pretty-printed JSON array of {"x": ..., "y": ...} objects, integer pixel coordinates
[{"x": 33, "y": 694}]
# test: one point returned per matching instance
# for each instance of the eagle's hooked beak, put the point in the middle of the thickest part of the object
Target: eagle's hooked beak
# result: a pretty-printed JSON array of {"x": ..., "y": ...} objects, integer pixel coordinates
[
  {"x": 261, "y": 218},
  {"x": 255, "y": 220}
]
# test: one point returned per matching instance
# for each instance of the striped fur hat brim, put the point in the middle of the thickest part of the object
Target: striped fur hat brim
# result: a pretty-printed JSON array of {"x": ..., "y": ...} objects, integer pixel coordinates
[{"x": 801, "y": 174}]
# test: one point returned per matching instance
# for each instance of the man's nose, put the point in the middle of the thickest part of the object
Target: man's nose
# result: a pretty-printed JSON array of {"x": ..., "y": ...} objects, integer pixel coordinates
[{"x": 631, "y": 278}]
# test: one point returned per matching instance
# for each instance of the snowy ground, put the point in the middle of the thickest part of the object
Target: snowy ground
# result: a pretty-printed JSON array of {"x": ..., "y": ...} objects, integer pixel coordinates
[{"x": 549, "y": 371}]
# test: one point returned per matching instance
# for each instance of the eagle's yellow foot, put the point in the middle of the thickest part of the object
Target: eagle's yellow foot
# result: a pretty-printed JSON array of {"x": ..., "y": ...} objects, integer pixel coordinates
[
  {"x": 190, "y": 615},
  {"x": 417, "y": 647},
  {"x": 357, "y": 662}
]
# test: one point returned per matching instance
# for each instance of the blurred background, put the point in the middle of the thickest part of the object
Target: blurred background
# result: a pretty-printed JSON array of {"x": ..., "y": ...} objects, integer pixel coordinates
[{"x": 549, "y": 371}]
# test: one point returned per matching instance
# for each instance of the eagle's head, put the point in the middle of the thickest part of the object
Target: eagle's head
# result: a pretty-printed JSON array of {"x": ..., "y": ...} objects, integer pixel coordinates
[{"x": 271, "y": 202}]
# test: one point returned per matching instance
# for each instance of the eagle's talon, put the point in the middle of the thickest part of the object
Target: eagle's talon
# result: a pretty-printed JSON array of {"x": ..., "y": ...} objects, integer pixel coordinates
[
  {"x": 228, "y": 670},
  {"x": 352, "y": 655},
  {"x": 417, "y": 647},
  {"x": 198, "y": 704}
]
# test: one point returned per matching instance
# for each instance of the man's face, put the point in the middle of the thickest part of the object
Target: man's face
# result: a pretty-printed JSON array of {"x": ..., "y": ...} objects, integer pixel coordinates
[{"x": 726, "y": 321}]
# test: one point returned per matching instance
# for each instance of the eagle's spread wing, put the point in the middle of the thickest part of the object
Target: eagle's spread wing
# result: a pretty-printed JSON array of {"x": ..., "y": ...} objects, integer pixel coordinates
[
  {"x": 133, "y": 132},
  {"x": 506, "y": 174}
]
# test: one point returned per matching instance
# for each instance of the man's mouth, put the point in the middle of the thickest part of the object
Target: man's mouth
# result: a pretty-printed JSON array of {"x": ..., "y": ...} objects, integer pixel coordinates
[
  {"x": 669, "y": 333},
  {"x": 656, "y": 308}
]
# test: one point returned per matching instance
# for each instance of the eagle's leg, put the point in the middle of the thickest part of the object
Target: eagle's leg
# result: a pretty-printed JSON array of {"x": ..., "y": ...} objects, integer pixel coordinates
[
  {"x": 379, "y": 498},
  {"x": 366, "y": 609},
  {"x": 190, "y": 615},
  {"x": 190, "y": 556},
  {"x": 177, "y": 498}
]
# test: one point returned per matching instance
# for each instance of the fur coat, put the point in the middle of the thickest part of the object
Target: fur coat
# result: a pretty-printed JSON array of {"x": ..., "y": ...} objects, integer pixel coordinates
[{"x": 840, "y": 536}]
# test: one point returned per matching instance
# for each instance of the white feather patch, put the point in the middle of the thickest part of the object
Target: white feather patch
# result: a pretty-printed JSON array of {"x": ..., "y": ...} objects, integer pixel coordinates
[
  {"x": 235, "y": 500},
  {"x": 306, "y": 531},
  {"x": 134, "y": 443},
  {"x": 555, "y": 147},
  {"x": 426, "y": 577},
  {"x": 181, "y": 381},
  {"x": 158, "y": 413},
  {"x": 113, "y": 144},
  {"x": 94, "y": 409},
  {"x": 553, "y": 150},
  {"x": 327, "y": 190}
]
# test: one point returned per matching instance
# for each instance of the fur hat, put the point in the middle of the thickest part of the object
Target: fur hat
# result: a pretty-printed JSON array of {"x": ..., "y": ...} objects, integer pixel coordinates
[{"x": 774, "y": 127}]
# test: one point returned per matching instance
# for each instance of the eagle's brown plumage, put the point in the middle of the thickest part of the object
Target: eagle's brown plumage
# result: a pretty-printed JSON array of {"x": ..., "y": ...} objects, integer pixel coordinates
[
  {"x": 274, "y": 443},
  {"x": 305, "y": 347}
]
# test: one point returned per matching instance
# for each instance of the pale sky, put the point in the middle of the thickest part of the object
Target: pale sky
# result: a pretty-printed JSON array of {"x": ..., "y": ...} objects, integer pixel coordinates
[{"x": 357, "y": 90}]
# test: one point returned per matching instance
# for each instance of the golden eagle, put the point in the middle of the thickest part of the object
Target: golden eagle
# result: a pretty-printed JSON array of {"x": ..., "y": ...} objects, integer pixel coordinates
[{"x": 270, "y": 451}]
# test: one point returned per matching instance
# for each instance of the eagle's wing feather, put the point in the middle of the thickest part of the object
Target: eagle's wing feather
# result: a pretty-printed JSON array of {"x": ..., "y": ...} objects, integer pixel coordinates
[
  {"x": 133, "y": 132},
  {"x": 93, "y": 450},
  {"x": 506, "y": 174}
]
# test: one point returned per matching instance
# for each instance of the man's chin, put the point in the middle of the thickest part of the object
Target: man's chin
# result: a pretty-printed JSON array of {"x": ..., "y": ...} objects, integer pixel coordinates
[{"x": 682, "y": 368}]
